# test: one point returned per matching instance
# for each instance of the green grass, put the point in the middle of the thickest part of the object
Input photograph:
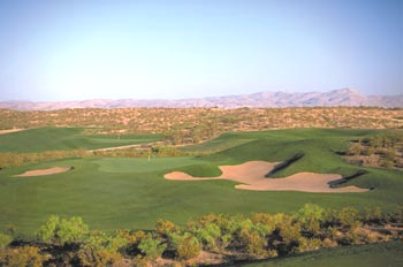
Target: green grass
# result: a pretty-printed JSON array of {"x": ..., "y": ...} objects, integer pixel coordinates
[
  {"x": 43, "y": 139},
  {"x": 111, "y": 193},
  {"x": 386, "y": 254}
]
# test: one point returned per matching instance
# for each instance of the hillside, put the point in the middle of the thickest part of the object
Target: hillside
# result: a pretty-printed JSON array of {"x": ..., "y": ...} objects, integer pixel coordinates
[{"x": 340, "y": 97}]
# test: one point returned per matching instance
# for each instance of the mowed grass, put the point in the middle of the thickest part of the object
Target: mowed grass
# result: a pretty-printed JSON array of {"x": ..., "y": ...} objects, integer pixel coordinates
[
  {"x": 44, "y": 139},
  {"x": 375, "y": 255},
  {"x": 112, "y": 193}
]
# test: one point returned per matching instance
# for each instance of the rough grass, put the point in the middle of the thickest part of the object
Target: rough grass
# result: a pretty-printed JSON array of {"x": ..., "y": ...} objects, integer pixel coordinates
[
  {"x": 122, "y": 192},
  {"x": 43, "y": 139},
  {"x": 375, "y": 255}
]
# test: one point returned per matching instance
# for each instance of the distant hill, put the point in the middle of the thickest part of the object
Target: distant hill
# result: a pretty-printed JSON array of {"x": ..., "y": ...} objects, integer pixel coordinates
[{"x": 339, "y": 97}]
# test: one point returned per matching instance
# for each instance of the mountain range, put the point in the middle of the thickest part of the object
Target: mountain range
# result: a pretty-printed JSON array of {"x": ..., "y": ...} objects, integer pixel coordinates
[{"x": 339, "y": 97}]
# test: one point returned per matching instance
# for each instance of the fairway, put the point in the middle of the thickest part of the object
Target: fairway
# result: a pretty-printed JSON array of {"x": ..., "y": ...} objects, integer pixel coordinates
[
  {"x": 45, "y": 139},
  {"x": 110, "y": 193}
]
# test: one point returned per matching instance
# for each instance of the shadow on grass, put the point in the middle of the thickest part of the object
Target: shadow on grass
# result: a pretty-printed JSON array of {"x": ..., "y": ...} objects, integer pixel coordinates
[
  {"x": 285, "y": 163},
  {"x": 345, "y": 179}
]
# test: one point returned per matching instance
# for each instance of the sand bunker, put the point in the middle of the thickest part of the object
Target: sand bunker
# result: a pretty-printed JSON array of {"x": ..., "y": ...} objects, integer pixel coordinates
[
  {"x": 10, "y": 131},
  {"x": 41, "y": 172},
  {"x": 251, "y": 175}
]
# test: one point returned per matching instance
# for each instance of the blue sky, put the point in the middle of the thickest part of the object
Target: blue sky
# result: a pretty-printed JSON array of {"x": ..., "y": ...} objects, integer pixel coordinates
[{"x": 66, "y": 50}]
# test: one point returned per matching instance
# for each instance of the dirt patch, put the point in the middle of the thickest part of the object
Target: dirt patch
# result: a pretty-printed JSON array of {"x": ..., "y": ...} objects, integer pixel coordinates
[
  {"x": 252, "y": 176},
  {"x": 10, "y": 131},
  {"x": 42, "y": 172}
]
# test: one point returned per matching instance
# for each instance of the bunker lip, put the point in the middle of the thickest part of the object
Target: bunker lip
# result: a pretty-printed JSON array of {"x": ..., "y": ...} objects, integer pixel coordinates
[
  {"x": 252, "y": 176},
  {"x": 43, "y": 172}
]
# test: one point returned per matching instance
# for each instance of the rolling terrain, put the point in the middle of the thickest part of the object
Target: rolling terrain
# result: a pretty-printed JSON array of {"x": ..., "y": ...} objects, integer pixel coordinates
[{"x": 111, "y": 193}]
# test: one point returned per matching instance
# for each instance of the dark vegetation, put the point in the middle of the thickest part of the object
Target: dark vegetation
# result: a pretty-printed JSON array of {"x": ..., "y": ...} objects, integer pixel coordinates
[{"x": 210, "y": 239}]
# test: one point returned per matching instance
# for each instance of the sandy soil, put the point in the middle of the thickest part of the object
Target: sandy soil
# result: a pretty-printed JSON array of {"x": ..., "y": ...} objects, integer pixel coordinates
[
  {"x": 41, "y": 172},
  {"x": 251, "y": 176},
  {"x": 10, "y": 131}
]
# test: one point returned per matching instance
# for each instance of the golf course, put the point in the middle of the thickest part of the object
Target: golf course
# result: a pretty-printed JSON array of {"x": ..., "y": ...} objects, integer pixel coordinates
[{"x": 113, "y": 192}]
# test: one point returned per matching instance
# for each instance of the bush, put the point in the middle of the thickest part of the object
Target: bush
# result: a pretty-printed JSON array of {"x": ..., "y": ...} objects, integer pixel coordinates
[
  {"x": 373, "y": 214},
  {"x": 290, "y": 232},
  {"x": 264, "y": 223},
  {"x": 99, "y": 258},
  {"x": 348, "y": 217},
  {"x": 308, "y": 244},
  {"x": 253, "y": 243},
  {"x": 208, "y": 235},
  {"x": 354, "y": 149},
  {"x": 388, "y": 164},
  {"x": 5, "y": 240},
  {"x": 188, "y": 247},
  {"x": 165, "y": 227},
  {"x": 310, "y": 217},
  {"x": 22, "y": 256},
  {"x": 62, "y": 231},
  {"x": 152, "y": 248},
  {"x": 98, "y": 240}
]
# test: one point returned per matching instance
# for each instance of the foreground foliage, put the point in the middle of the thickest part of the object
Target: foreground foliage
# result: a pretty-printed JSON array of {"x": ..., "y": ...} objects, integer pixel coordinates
[{"x": 68, "y": 241}]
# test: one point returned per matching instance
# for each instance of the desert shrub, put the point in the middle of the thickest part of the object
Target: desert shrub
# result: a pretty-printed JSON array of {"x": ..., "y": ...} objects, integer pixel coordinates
[
  {"x": 373, "y": 214},
  {"x": 390, "y": 154},
  {"x": 98, "y": 241},
  {"x": 352, "y": 236},
  {"x": 253, "y": 243},
  {"x": 369, "y": 151},
  {"x": 99, "y": 258},
  {"x": 47, "y": 231},
  {"x": 22, "y": 256},
  {"x": 152, "y": 248},
  {"x": 165, "y": 227},
  {"x": 5, "y": 240},
  {"x": 264, "y": 223},
  {"x": 227, "y": 224},
  {"x": 332, "y": 233},
  {"x": 348, "y": 217},
  {"x": 101, "y": 249},
  {"x": 329, "y": 243},
  {"x": 310, "y": 217},
  {"x": 208, "y": 235},
  {"x": 188, "y": 247},
  {"x": 354, "y": 149},
  {"x": 289, "y": 232},
  {"x": 388, "y": 164},
  {"x": 62, "y": 231},
  {"x": 308, "y": 244}
]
